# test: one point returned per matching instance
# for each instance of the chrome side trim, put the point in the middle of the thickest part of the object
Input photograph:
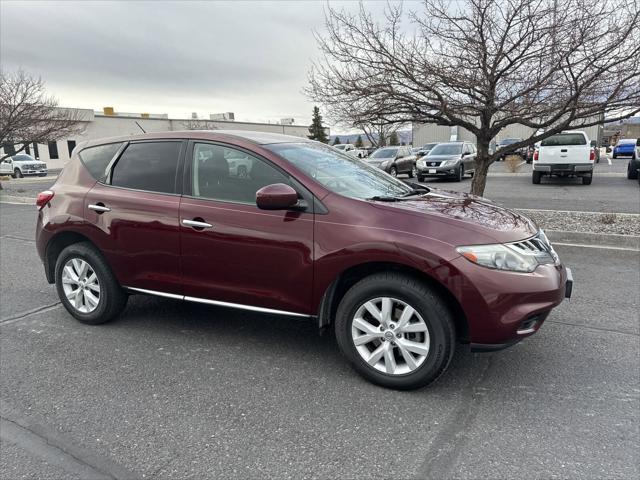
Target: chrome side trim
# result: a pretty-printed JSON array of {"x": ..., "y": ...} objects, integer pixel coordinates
[
  {"x": 157, "y": 294},
  {"x": 245, "y": 307},
  {"x": 218, "y": 303},
  {"x": 527, "y": 330}
]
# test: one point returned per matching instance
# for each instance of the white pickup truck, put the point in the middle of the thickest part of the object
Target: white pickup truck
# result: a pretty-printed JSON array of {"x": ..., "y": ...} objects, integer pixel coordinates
[
  {"x": 565, "y": 154},
  {"x": 351, "y": 150}
]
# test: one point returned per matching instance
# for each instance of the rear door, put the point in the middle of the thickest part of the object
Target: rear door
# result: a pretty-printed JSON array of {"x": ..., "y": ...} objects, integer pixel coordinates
[
  {"x": 236, "y": 253},
  {"x": 135, "y": 212},
  {"x": 565, "y": 148}
]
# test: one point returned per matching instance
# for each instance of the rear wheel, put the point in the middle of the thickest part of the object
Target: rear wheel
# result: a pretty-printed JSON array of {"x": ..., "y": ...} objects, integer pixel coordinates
[
  {"x": 414, "y": 172},
  {"x": 395, "y": 331},
  {"x": 86, "y": 286},
  {"x": 535, "y": 178},
  {"x": 632, "y": 169},
  {"x": 615, "y": 156},
  {"x": 587, "y": 180}
]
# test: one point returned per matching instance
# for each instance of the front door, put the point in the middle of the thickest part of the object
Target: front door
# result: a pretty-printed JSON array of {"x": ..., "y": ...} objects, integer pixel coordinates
[{"x": 232, "y": 252}]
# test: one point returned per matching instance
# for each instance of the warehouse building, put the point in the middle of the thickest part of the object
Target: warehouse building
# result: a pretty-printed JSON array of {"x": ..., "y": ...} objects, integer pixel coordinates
[
  {"x": 430, "y": 132},
  {"x": 108, "y": 123}
]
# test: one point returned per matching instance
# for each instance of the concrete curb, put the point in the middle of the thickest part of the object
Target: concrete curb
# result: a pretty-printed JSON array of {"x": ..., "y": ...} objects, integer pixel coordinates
[
  {"x": 631, "y": 242},
  {"x": 14, "y": 199}
]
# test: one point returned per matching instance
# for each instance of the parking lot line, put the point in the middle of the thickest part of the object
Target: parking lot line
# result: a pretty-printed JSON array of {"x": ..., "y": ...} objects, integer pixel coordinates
[{"x": 605, "y": 247}]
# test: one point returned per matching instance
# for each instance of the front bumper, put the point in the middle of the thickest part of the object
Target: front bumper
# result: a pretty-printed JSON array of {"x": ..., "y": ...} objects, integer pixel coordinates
[
  {"x": 552, "y": 168},
  {"x": 35, "y": 172},
  {"x": 437, "y": 171},
  {"x": 503, "y": 307}
]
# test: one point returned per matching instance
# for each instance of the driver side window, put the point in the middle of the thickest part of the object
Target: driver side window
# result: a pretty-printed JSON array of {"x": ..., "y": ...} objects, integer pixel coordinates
[{"x": 230, "y": 175}]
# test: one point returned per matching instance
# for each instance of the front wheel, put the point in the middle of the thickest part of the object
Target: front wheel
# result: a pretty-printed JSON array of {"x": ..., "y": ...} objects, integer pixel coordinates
[
  {"x": 421, "y": 178},
  {"x": 395, "y": 331},
  {"x": 459, "y": 173},
  {"x": 86, "y": 286},
  {"x": 17, "y": 173},
  {"x": 393, "y": 172}
]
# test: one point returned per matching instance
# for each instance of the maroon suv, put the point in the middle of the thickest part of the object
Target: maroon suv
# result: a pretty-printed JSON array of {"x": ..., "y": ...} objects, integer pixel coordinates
[{"x": 287, "y": 226}]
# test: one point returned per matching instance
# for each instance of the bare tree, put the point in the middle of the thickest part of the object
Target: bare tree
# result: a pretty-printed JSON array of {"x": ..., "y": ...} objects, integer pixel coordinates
[
  {"x": 483, "y": 65},
  {"x": 29, "y": 115}
]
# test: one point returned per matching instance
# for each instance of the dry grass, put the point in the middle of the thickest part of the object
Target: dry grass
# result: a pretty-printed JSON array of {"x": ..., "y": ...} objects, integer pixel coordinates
[
  {"x": 512, "y": 162},
  {"x": 608, "y": 218},
  {"x": 4, "y": 177}
]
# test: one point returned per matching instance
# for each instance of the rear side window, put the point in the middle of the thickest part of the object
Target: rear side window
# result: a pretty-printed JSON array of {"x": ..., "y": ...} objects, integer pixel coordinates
[
  {"x": 97, "y": 159},
  {"x": 150, "y": 166},
  {"x": 562, "y": 139}
]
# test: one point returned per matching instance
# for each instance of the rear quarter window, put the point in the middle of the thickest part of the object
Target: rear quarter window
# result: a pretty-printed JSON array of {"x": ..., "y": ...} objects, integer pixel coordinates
[
  {"x": 96, "y": 159},
  {"x": 149, "y": 166},
  {"x": 564, "y": 139}
]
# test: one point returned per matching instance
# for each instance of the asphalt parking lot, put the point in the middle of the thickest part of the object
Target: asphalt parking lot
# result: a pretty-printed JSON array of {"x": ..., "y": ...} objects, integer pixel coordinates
[{"x": 173, "y": 390}]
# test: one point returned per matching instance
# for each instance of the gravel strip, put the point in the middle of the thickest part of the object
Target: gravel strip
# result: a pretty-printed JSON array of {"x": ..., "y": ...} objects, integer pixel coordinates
[{"x": 610, "y": 223}]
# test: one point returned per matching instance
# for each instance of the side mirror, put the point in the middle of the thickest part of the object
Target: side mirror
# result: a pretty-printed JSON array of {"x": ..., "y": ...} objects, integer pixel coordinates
[{"x": 277, "y": 196}]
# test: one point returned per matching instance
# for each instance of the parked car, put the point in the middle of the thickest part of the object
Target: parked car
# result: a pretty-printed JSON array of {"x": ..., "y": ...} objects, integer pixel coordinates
[
  {"x": 451, "y": 159},
  {"x": 425, "y": 149},
  {"x": 401, "y": 272},
  {"x": 566, "y": 154},
  {"x": 510, "y": 141},
  {"x": 394, "y": 160},
  {"x": 21, "y": 165},
  {"x": 634, "y": 163},
  {"x": 626, "y": 147},
  {"x": 352, "y": 150}
]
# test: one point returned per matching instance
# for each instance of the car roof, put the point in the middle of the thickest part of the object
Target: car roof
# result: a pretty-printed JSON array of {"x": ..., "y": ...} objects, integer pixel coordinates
[{"x": 259, "y": 138}]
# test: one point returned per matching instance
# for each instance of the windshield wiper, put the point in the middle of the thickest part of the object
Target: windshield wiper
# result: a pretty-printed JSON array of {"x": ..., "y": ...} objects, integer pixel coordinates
[
  {"x": 383, "y": 198},
  {"x": 416, "y": 191}
]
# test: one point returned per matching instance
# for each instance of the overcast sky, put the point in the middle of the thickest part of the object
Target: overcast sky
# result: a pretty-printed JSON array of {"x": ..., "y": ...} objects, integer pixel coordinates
[{"x": 250, "y": 58}]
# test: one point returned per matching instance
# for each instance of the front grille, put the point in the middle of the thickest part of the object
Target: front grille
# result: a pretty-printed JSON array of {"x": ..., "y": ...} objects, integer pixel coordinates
[
  {"x": 433, "y": 164},
  {"x": 539, "y": 246}
]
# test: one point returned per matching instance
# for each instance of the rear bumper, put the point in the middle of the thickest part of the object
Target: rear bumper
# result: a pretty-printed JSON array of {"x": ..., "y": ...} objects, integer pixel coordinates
[{"x": 563, "y": 167}]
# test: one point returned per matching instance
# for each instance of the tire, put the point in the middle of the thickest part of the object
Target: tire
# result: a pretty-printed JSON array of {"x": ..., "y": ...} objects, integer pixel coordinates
[
  {"x": 535, "y": 178},
  {"x": 420, "y": 178},
  {"x": 587, "y": 180},
  {"x": 437, "y": 340},
  {"x": 414, "y": 171},
  {"x": 111, "y": 298},
  {"x": 632, "y": 170},
  {"x": 615, "y": 156},
  {"x": 459, "y": 173},
  {"x": 393, "y": 171},
  {"x": 17, "y": 173}
]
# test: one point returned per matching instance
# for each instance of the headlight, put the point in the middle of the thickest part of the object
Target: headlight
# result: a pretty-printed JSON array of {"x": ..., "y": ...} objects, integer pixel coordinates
[
  {"x": 385, "y": 164},
  {"x": 446, "y": 163},
  {"x": 420, "y": 163},
  {"x": 500, "y": 257}
]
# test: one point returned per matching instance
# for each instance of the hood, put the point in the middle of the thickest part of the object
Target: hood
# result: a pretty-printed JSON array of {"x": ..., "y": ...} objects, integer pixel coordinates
[
  {"x": 378, "y": 159},
  {"x": 478, "y": 220}
]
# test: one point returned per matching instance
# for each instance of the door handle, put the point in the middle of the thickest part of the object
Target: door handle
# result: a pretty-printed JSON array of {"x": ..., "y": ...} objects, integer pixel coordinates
[
  {"x": 196, "y": 224},
  {"x": 98, "y": 208}
]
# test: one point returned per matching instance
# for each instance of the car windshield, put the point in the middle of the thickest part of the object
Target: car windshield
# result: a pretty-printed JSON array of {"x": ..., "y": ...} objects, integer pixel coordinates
[
  {"x": 385, "y": 153},
  {"x": 23, "y": 158},
  {"x": 339, "y": 172},
  {"x": 446, "y": 149},
  {"x": 562, "y": 139},
  {"x": 429, "y": 146},
  {"x": 626, "y": 141}
]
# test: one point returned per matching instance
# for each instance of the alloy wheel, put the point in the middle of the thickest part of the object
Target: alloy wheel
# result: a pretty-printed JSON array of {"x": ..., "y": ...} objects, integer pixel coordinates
[
  {"x": 390, "y": 335},
  {"x": 81, "y": 285}
]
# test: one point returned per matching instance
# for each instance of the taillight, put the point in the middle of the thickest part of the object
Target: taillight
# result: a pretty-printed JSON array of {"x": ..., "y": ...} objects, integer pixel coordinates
[
  {"x": 44, "y": 198},
  {"x": 592, "y": 155},
  {"x": 535, "y": 156}
]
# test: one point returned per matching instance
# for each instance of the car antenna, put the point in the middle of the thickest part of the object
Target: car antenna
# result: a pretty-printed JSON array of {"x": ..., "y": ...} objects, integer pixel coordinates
[{"x": 143, "y": 130}]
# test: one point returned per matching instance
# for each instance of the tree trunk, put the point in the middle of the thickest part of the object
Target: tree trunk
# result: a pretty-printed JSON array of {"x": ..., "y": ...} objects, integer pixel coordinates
[{"x": 482, "y": 167}]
